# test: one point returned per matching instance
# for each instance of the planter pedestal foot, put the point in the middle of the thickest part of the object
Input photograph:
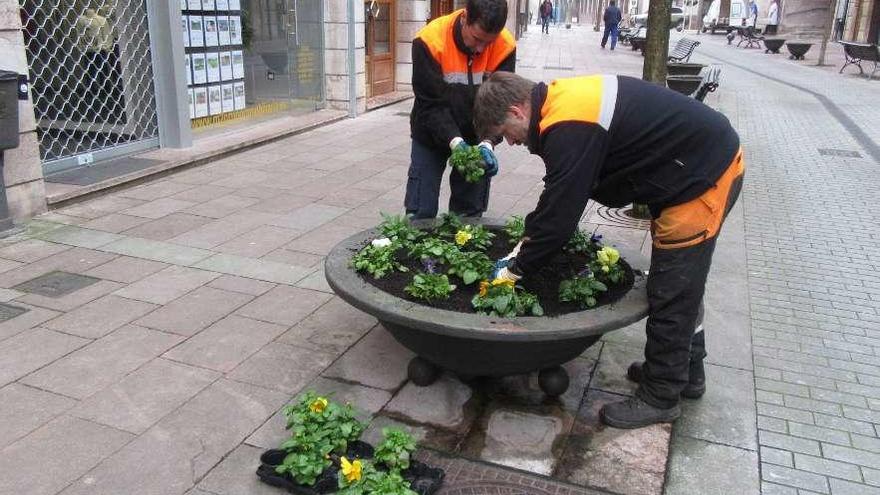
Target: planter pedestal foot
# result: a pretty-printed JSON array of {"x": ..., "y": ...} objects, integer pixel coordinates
[
  {"x": 422, "y": 372},
  {"x": 553, "y": 381}
]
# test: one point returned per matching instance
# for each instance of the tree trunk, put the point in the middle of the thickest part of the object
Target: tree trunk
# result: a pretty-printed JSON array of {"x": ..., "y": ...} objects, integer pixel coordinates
[
  {"x": 826, "y": 35},
  {"x": 657, "y": 44}
]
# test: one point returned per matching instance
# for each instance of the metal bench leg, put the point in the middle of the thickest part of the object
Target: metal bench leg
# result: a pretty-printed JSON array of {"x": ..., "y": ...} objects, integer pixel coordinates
[{"x": 876, "y": 67}]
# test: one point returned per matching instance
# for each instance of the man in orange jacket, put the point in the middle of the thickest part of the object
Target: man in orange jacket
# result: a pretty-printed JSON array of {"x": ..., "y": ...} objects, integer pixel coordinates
[
  {"x": 452, "y": 56},
  {"x": 620, "y": 140}
]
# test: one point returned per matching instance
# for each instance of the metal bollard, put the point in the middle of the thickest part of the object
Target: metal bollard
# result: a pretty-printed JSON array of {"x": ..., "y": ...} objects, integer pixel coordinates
[{"x": 9, "y": 96}]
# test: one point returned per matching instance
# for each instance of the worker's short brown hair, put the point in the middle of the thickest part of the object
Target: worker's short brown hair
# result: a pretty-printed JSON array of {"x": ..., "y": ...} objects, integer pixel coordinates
[{"x": 496, "y": 95}]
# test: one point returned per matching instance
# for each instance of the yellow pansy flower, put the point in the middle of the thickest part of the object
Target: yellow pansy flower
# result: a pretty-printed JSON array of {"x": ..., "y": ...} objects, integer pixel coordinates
[
  {"x": 462, "y": 237},
  {"x": 484, "y": 288},
  {"x": 318, "y": 405},
  {"x": 351, "y": 470},
  {"x": 503, "y": 281},
  {"x": 608, "y": 256}
]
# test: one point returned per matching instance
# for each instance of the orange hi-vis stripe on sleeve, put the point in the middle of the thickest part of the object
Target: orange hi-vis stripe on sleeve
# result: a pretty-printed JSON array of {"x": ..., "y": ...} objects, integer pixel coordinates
[
  {"x": 439, "y": 38},
  {"x": 589, "y": 99}
]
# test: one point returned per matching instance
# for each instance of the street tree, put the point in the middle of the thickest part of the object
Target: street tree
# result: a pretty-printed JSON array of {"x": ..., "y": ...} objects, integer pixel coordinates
[{"x": 657, "y": 44}]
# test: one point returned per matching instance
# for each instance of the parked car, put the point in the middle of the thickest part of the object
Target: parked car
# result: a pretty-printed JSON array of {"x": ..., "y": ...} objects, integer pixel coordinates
[
  {"x": 676, "y": 19},
  {"x": 713, "y": 21}
]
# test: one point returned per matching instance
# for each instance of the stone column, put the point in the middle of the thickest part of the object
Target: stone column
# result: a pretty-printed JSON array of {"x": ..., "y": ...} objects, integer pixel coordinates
[
  {"x": 23, "y": 172},
  {"x": 805, "y": 19},
  {"x": 336, "y": 54},
  {"x": 411, "y": 16}
]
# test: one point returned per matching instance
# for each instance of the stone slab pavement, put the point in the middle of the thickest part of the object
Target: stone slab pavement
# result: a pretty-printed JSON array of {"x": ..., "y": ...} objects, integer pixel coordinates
[{"x": 202, "y": 309}]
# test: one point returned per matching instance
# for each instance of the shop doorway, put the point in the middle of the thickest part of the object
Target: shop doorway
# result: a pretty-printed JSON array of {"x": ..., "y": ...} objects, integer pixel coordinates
[
  {"x": 440, "y": 8},
  {"x": 381, "y": 18}
]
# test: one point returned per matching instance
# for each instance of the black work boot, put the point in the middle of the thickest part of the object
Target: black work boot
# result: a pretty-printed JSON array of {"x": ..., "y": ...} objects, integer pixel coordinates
[
  {"x": 636, "y": 413},
  {"x": 695, "y": 388}
]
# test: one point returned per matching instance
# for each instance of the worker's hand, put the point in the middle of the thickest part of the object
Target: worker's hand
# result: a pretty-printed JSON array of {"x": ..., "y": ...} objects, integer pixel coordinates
[
  {"x": 502, "y": 266},
  {"x": 457, "y": 142},
  {"x": 489, "y": 158}
]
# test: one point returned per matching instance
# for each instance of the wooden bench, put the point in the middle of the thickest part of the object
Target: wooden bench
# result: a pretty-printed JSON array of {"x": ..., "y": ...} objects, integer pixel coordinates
[
  {"x": 683, "y": 50},
  {"x": 710, "y": 82},
  {"x": 856, "y": 53}
]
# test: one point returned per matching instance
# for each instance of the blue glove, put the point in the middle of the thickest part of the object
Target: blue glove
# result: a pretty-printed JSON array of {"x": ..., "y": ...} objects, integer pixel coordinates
[{"x": 489, "y": 158}]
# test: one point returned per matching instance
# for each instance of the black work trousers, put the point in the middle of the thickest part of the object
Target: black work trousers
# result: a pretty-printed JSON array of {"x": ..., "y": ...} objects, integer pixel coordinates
[{"x": 426, "y": 169}]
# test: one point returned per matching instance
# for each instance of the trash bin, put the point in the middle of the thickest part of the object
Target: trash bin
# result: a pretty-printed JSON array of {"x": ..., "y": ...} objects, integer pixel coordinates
[{"x": 8, "y": 110}]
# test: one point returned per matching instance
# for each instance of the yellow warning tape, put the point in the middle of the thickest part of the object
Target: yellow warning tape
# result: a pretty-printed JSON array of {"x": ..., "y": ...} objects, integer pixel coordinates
[{"x": 250, "y": 112}]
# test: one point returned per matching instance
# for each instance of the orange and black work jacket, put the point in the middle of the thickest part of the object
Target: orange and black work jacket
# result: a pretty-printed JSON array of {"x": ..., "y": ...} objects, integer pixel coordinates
[
  {"x": 617, "y": 140},
  {"x": 446, "y": 77}
]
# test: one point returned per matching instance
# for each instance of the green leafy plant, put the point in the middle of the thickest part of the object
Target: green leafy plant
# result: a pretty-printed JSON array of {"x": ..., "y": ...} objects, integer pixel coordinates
[
  {"x": 399, "y": 230},
  {"x": 606, "y": 266},
  {"x": 470, "y": 266},
  {"x": 378, "y": 261},
  {"x": 581, "y": 242},
  {"x": 581, "y": 289},
  {"x": 433, "y": 247},
  {"x": 474, "y": 237},
  {"x": 395, "y": 449},
  {"x": 449, "y": 225},
  {"x": 501, "y": 298},
  {"x": 468, "y": 161},
  {"x": 429, "y": 286},
  {"x": 515, "y": 228},
  {"x": 365, "y": 479},
  {"x": 318, "y": 428}
]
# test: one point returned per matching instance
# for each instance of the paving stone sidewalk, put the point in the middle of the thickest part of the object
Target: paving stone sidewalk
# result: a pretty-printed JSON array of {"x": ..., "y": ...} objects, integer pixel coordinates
[{"x": 182, "y": 314}]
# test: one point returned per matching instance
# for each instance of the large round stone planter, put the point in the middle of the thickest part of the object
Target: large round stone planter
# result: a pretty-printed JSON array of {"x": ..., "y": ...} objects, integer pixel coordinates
[{"x": 472, "y": 345}]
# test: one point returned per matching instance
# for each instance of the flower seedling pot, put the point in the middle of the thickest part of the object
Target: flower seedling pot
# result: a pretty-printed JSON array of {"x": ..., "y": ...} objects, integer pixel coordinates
[
  {"x": 798, "y": 50},
  {"x": 684, "y": 69},
  {"x": 475, "y": 345},
  {"x": 685, "y": 85},
  {"x": 773, "y": 45}
]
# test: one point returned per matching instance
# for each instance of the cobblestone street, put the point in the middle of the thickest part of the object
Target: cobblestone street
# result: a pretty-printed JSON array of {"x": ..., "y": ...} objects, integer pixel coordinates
[{"x": 149, "y": 337}]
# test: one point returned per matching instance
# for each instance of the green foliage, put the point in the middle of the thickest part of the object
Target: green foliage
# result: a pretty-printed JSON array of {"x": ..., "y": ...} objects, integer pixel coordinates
[
  {"x": 395, "y": 449},
  {"x": 581, "y": 242},
  {"x": 515, "y": 228},
  {"x": 399, "y": 230},
  {"x": 468, "y": 161},
  {"x": 581, "y": 290},
  {"x": 433, "y": 247},
  {"x": 318, "y": 427},
  {"x": 480, "y": 237},
  {"x": 504, "y": 300},
  {"x": 449, "y": 225},
  {"x": 375, "y": 482},
  {"x": 377, "y": 261},
  {"x": 429, "y": 286},
  {"x": 470, "y": 266}
]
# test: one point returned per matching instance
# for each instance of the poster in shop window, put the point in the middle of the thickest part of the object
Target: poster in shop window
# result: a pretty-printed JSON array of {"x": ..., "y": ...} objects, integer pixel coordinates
[
  {"x": 222, "y": 5},
  {"x": 201, "y": 97},
  {"x": 215, "y": 100},
  {"x": 210, "y": 30},
  {"x": 194, "y": 4},
  {"x": 188, "y": 68},
  {"x": 226, "y": 66},
  {"x": 212, "y": 60},
  {"x": 223, "y": 30},
  {"x": 183, "y": 5},
  {"x": 192, "y": 103},
  {"x": 237, "y": 64},
  {"x": 238, "y": 89},
  {"x": 234, "y": 4},
  {"x": 196, "y": 31},
  {"x": 208, "y": 5},
  {"x": 199, "y": 68},
  {"x": 184, "y": 26},
  {"x": 235, "y": 30},
  {"x": 228, "y": 99}
]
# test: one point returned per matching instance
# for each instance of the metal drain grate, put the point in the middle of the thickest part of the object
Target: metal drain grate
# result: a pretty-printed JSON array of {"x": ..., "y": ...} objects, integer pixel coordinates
[
  {"x": 840, "y": 153},
  {"x": 8, "y": 311},
  {"x": 617, "y": 217},
  {"x": 553, "y": 67},
  {"x": 401, "y": 114},
  {"x": 56, "y": 284}
]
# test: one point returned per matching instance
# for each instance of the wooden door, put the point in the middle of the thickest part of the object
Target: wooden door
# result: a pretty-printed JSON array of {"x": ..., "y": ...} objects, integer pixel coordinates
[
  {"x": 381, "y": 19},
  {"x": 440, "y": 8}
]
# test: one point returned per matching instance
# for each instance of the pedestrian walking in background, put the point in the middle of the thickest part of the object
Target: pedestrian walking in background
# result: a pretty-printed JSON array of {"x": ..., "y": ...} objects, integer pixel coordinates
[
  {"x": 753, "y": 14},
  {"x": 772, "y": 18},
  {"x": 612, "y": 19},
  {"x": 546, "y": 14}
]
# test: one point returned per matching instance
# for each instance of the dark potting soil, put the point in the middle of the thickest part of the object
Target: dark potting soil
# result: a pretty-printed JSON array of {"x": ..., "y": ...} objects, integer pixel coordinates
[{"x": 544, "y": 284}]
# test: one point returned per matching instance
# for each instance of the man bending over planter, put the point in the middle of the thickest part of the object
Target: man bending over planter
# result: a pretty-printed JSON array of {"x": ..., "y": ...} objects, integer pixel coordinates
[
  {"x": 621, "y": 140},
  {"x": 451, "y": 57}
]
